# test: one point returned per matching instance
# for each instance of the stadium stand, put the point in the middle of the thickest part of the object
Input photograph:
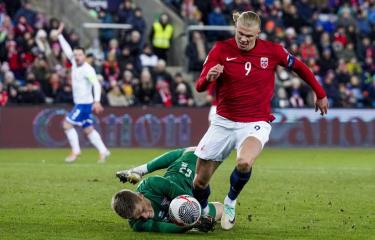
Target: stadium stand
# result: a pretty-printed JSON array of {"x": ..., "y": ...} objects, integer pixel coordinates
[{"x": 335, "y": 38}]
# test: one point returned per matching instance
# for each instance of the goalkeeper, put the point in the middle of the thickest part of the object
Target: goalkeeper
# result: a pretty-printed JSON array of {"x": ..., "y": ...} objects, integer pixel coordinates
[{"x": 147, "y": 208}]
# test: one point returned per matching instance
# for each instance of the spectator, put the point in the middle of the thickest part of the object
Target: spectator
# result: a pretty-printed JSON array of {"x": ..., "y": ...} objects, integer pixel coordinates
[
  {"x": 344, "y": 96},
  {"x": 135, "y": 46},
  {"x": 355, "y": 92},
  {"x": 181, "y": 97},
  {"x": 31, "y": 94},
  {"x": 347, "y": 53},
  {"x": 15, "y": 64},
  {"x": 292, "y": 19},
  {"x": 161, "y": 36},
  {"x": 22, "y": 27},
  {"x": 146, "y": 92},
  {"x": 128, "y": 86},
  {"x": 196, "y": 51},
  {"x": 354, "y": 68},
  {"x": 3, "y": 95},
  {"x": 65, "y": 95},
  {"x": 371, "y": 94},
  {"x": 115, "y": 97},
  {"x": 330, "y": 87},
  {"x": 148, "y": 58},
  {"x": 54, "y": 88},
  {"x": 26, "y": 12},
  {"x": 163, "y": 95},
  {"x": 105, "y": 35},
  {"x": 181, "y": 91},
  {"x": 238, "y": 6},
  {"x": 282, "y": 101},
  {"x": 160, "y": 73},
  {"x": 125, "y": 11},
  {"x": 326, "y": 62},
  {"x": 6, "y": 29},
  {"x": 308, "y": 49},
  {"x": 342, "y": 75},
  {"x": 40, "y": 71},
  {"x": 111, "y": 68},
  {"x": 216, "y": 17},
  {"x": 127, "y": 61},
  {"x": 139, "y": 24},
  {"x": 365, "y": 49},
  {"x": 296, "y": 99}
]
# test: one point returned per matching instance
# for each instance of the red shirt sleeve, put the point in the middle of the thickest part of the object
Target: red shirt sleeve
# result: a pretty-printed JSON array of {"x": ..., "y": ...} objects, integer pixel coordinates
[
  {"x": 291, "y": 62},
  {"x": 213, "y": 58}
]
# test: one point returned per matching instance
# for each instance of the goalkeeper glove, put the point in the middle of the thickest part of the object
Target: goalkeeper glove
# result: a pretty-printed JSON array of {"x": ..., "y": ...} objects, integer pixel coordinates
[{"x": 205, "y": 224}]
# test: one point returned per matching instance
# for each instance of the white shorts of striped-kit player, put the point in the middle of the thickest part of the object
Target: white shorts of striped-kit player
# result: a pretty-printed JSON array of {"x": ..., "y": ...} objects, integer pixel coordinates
[{"x": 224, "y": 135}]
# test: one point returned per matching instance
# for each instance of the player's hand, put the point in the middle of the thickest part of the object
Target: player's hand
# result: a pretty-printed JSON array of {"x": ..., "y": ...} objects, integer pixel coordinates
[
  {"x": 61, "y": 28},
  {"x": 205, "y": 224},
  {"x": 322, "y": 105},
  {"x": 214, "y": 72},
  {"x": 129, "y": 176},
  {"x": 97, "y": 107}
]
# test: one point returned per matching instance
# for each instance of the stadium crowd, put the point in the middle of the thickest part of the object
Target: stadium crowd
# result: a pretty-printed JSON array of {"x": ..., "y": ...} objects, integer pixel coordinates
[
  {"x": 34, "y": 70},
  {"x": 335, "y": 38}
]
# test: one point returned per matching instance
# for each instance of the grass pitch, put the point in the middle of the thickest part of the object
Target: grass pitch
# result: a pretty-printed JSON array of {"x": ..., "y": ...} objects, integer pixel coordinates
[{"x": 293, "y": 194}]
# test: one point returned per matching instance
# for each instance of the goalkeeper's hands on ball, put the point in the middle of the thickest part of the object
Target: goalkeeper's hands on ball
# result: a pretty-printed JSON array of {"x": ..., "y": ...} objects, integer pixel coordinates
[{"x": 205, "y": 224}]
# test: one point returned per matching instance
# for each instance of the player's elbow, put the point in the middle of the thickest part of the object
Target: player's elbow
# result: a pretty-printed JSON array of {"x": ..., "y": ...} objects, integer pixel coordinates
[{"x": 200, "y": 87}]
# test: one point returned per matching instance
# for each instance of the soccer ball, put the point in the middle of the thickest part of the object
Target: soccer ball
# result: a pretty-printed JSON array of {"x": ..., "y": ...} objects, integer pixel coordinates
[{"x": 184, "y": 211}]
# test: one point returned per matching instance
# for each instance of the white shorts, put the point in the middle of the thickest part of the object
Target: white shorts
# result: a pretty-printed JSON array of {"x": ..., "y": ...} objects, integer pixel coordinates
[
  {"x": 212, "y": 113},
  {"x": 223, "y": 135}
]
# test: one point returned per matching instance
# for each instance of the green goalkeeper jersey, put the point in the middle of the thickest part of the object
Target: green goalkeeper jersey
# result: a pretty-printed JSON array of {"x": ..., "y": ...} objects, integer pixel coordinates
[
  {"x": 182, "y": 170},
  {"x": 160, "y": 191},
  {"x": 177, "y": 180}
]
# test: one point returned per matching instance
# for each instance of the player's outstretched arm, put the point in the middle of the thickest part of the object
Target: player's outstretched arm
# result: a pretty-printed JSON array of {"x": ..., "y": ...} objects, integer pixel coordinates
[
  {"x": 293, "y": 63},
  {"x": 321, "y": 103},
  {"x": 64, "y": 44}
]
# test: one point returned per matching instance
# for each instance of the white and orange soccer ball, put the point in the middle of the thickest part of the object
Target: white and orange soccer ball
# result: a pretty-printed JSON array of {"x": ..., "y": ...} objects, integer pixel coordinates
[{"x": 184, "y": 211}]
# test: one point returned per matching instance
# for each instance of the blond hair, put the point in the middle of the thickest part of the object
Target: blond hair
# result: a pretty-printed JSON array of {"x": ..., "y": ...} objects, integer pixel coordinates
[{"x": 247, "y": 19}]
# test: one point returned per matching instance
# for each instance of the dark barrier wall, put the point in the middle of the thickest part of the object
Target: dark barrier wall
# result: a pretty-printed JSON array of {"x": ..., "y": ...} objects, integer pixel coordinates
[{"x": 160, "y": 127}]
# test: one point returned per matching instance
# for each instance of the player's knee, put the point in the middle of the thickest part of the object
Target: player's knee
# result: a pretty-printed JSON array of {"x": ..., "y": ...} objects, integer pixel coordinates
[
  {"x": 88, "y": 129},
  {"x": 244, "y": 165},
  {"x": 67, "y": 125},
  {"x": 200, "y": 183}
]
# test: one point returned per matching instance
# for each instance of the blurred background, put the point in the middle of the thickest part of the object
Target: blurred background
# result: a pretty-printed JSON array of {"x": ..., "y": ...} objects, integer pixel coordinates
[{"x": 148, "y": 86}]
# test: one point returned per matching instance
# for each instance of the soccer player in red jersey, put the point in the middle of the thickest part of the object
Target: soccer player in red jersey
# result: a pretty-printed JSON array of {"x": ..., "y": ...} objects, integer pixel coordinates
[{"x": 243, "y": 69}]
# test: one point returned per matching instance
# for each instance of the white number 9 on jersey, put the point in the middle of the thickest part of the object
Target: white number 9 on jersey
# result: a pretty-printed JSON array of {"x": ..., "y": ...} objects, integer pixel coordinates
[{"x": 247, "y": 68}]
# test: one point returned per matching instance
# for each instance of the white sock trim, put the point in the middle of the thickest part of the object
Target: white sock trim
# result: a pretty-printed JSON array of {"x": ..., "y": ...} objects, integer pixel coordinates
[
  {"x": 141, "y": 169},
  {"x": 230, "y": 202},
  {"x": 206, "y": 210}
]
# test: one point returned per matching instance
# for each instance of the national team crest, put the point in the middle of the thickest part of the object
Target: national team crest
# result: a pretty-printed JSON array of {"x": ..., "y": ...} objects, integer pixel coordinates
[{"x": 264, "y": 62}]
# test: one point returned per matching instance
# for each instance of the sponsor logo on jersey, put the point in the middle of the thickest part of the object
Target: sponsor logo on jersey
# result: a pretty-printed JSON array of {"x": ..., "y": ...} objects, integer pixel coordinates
[
  {"x": 264, "y": 62},
  {"x": 230, "y": 59}
]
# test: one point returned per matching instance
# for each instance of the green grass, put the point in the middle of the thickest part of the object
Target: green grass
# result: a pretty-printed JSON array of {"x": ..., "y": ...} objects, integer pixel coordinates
[{"x": 293, "y": 194}]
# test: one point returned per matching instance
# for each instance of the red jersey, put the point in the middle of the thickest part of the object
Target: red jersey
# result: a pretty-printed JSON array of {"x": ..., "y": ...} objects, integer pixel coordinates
[{"x": 245, "y": 89}]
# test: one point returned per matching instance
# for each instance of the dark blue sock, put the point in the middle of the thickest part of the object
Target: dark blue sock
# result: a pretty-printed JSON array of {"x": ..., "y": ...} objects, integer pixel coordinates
[
  {"x": 237, "y": 182},
  {"x": 202, "y": 195}
]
